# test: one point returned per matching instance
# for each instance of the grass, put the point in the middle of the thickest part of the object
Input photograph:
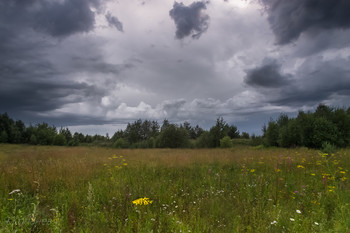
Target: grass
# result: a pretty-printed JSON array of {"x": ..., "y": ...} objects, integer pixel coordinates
[{"x": 82, "y": 189}]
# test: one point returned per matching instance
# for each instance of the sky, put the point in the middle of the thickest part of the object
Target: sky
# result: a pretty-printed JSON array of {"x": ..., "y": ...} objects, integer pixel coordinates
[{"x": 95, "y": 65}]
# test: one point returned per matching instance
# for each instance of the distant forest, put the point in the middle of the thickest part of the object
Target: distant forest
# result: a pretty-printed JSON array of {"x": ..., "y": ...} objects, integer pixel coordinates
[{"x": 327, "y": 126}]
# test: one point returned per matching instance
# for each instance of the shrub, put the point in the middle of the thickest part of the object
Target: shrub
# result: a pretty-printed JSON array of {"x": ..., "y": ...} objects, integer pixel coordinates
[{"x": 226, "y": 142}]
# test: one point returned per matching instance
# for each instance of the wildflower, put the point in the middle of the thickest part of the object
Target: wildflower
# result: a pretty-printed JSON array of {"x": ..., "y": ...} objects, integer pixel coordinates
[
  {"x": 14, "y": 191},
  {"x": 300, "y": 166},
  {"x": 316, "y": 223},
  {"x": 252, "y": 170},
  {"x": 343, "y": 178},
  {"x": 313, "y": 174},
  {"x": 342, "y": 172},
  {"x": 125, "y": 164},
  {"x": 277, "y": 170},
  {"x": 292, "y": 219},
  {"x": 142, "y": 201},
  {"x": 298, "y": 211},
  {"x": 274, "y": 222}
]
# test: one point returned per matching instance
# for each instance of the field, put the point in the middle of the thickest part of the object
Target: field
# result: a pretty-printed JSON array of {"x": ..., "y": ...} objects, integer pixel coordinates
[{"x": 244, "y": 189}]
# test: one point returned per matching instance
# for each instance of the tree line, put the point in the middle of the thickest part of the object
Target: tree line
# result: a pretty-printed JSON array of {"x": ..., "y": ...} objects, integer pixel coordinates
[
  {"x": 325, "y": 126},
  {"x": 139, "y": 134}
]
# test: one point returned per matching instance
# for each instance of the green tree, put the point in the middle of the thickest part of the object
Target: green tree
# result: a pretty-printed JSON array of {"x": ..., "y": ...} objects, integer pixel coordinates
[
  {"x": 324, "y": 131},
  {"x": 272, "y": 134},
  {"x": 60, "y": 140},
  {"x": 33, "y": 140},
  {"x": 173, "y": 137},
  {"x": 3, "y": 137},
  {"x": 218, "y": 131}
]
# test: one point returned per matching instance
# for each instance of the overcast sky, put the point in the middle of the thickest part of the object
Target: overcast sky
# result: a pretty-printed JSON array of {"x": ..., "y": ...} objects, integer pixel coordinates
[{"x": 94, "y": 65}]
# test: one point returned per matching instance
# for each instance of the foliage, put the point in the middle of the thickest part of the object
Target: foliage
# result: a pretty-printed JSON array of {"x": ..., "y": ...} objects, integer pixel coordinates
[
  {"x": 325, "y": 125},
  {"x": 226, "y": 142}
]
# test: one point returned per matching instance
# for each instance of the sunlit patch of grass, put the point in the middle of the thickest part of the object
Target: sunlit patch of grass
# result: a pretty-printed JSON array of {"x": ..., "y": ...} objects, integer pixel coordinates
[{"x": 205, "y": 190}]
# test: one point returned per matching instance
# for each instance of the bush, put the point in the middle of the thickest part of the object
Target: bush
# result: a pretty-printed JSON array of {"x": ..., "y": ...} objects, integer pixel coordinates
[
  {"x": 226, "y": 142},
  {"x": 120, "y": 143},
  {"x": 60, "y": 140}
]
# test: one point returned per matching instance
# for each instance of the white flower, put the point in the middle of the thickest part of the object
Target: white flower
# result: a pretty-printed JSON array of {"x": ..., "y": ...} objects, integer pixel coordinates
[
  {"x": 298, "y": 211},
  {"x": 274, "y": 222},
  {"x": 14, "y": 191},
  {"x": 316, "y": 223},
  {"x": 292, "y": 219}
]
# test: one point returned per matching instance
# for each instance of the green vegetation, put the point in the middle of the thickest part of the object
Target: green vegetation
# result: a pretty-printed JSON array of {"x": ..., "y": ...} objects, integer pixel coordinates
[
  {"x": 94, "y": 189},
  {"x": 326, "y": 126}
]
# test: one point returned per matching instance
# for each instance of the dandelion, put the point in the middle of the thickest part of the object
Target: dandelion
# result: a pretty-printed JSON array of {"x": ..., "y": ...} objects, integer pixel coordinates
[
  {"x": 313, "y": 174},
  {"x": 300, "y": 166},
  {"x": 252, "y": 170},
  {"x": 342, "y": 172},
  {"x": 125, "y": 164},
  {"x": 292, "y": 219},
  {"x": 343, "y": 178},
  {"x": 298, "y": 211},
  {"x": 277, "y": 170},
  {"x": 142, "y": 201}
]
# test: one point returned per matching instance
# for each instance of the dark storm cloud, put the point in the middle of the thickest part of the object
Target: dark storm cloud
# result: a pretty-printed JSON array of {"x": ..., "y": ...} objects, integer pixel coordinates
[
  {"x": 189, "y": 20},
  {"x": 319, "y": 81},
  {"x": 64, "y": 19},
  {"x": 56, "y": 18},
  {"x": 315, "y": 81},
  {"x": 289, "y": 19},
  {"x": 268, "y": 76},
  {"x": 38, "y": 96},
  {"x": 114, "y": 22}
]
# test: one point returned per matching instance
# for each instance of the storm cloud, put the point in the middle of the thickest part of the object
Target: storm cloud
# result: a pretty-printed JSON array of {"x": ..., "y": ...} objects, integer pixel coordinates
[
  {"x": 289, "y": 19},
  {"x": 65, "y": 62},
  {"x": 55, "y": 18},
  {"x": 189, "y": 20},
  {"x": 268, "y": 76}
]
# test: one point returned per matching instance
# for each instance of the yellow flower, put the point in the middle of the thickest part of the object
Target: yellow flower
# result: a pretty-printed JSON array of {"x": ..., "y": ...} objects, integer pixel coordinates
[
  {"x": 252, "y": 170},
  {"x": 342, "y": 172},
  {"x": 313, "y": 174},
  {"x": 277, "y": 170},
  {"x": 343, "y": 178},
  {"x": 300, "y": 166},
  {"x": 142, "y": 201},
  {"x": 125, "y": 164}
]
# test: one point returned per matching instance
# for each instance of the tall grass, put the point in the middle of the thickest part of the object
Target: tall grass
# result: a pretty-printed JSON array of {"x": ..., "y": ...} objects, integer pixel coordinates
[{"x": 213, "y": 190}]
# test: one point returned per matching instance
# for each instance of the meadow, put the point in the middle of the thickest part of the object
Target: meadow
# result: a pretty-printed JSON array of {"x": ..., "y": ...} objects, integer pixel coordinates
[{"x": 241, "y": 189}]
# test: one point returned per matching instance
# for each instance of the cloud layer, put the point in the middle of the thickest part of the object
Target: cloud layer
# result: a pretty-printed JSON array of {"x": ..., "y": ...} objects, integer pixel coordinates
[{"x": 66, "y": 62}]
